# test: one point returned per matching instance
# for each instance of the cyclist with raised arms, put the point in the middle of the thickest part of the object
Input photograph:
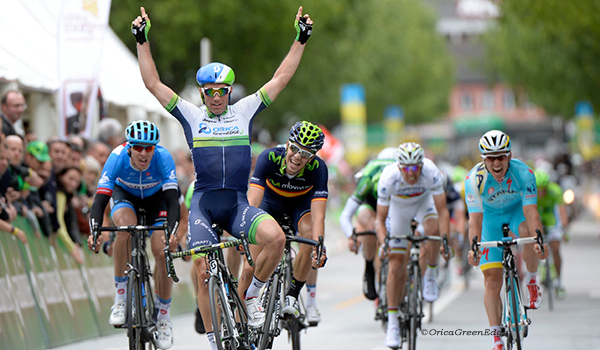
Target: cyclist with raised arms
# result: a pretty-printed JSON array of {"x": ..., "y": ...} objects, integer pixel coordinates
[
  {"x": 218, "y": 135},
  {"x": 508, "y": 196},
  {"x": 364, "y": 200},
  {"x": 139, "y": 174},
  {"x": 551, "y": 203},
  {"x": 292, "y": 180},
  {"x": 410, "y": 188}
]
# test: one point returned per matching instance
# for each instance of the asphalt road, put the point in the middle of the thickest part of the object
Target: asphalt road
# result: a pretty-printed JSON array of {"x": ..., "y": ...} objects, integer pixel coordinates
[{"x": 347, "y": 317}]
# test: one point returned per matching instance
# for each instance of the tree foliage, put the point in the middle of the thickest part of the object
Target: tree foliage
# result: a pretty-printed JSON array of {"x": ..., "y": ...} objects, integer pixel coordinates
[
  {"x": 551, "y": 49},
  {"x": 390, "y": 46}
]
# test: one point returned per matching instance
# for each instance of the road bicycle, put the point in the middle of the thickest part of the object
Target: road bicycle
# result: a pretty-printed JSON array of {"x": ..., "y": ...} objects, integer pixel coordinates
[
  {"x": 273, "y": 296},
  {"x": 229, "y": 315},
  {"x": 515, "y": 323},
  {"x": 140, "y": 319},
  {"x": 410, "y": 313}
]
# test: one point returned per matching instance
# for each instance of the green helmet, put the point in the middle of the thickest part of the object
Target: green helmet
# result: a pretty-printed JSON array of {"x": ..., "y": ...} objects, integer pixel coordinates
[
  {"x": 308, "y": 135},
  {"x": 542, "y": 179}
]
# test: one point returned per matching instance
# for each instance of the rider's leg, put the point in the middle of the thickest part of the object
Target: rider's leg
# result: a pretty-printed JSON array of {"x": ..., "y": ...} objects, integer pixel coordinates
[
  {"x": 531, "y": 263},
  {"x": 247, "y": 270},
  {"x": 366, "y": 221},
  {"x": 270, "y": 236},
  {"x": 396, "y": 280},
  {"x": 492, "y": 278},
  {"x": 233, "y": 259},
  {"x": 203, "y": 299},
  {"x": 430, "y": 286},
  {"x": 164, "y": 284}
]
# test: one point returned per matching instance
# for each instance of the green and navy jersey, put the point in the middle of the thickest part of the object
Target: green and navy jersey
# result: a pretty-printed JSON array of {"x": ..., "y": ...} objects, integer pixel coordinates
[
  {"x": 269, "y": 175},
  {"x": 367, "y": 184},
  {"x": 547, "y": 204},
  {"x": 484, "y": 193},
  {"x": 220, "y": 145}
]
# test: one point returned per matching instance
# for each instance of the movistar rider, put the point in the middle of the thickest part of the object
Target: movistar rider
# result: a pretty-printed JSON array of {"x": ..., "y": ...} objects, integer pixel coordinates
[
  {"x": 139, "y": 174},
  {"x": 292, "y": 180},
  {"x": 218, "y": 135}
]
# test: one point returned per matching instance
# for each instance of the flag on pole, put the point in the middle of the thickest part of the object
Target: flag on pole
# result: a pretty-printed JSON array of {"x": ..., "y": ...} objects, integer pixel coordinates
[{"x": 82, "y": 26}]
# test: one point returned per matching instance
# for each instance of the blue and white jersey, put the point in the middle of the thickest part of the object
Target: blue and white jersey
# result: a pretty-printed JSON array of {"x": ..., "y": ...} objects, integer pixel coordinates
[
  {"x": 159, "y": 176},
  {"x": 484, "y": 193},
  {"x": 220, "y": 145}
]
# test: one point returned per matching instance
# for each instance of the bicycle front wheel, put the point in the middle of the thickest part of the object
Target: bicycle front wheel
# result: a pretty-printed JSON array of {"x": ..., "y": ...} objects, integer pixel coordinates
[
  {"x": 134, "y": 311},
  {"x": 221, "y": 318},
  {"x": 415, "y": 308},
  {"x": 294, "y": 329},
  {"x": 382, "y": 305},
  {"x": 515, "y": 317},
  {"x": 271, "y": 294}
]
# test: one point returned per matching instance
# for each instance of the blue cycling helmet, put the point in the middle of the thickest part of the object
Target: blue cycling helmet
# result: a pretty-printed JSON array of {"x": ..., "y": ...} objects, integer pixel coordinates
[
  {"x": 142, "y": 132},
  {"x": 215, "y": 73}
]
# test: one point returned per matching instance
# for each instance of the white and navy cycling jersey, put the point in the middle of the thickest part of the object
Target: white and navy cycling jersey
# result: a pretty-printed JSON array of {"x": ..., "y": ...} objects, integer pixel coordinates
[
  {"x": 118, "y": 170},
  {"x": 392, "y": 186},
  {"x": 220, "y": 145}
]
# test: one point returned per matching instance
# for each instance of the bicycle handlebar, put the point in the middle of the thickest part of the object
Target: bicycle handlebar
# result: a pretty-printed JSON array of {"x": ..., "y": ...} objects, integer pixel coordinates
[
  {"x": 413, "y": 238},
  {"x": 243, "y": 241},
  {"x": 133, "y": 228}
]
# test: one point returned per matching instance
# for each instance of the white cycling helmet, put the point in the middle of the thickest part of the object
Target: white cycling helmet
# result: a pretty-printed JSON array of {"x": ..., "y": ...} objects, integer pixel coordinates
[
  {"x": 410, "y": 153},
  {"x": 494, "y": 141},
  {"x": 388, "y": 153}
]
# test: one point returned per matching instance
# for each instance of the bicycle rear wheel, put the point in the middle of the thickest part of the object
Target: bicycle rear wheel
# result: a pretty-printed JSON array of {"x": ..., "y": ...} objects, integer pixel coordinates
[
  {"x": 134, "y": 312},
  {"x": 221, "y": 319},
  {"x": 515, "y": 310},
  {"x": 382, "y": 304},
  {"x": 548, "y": 283}
]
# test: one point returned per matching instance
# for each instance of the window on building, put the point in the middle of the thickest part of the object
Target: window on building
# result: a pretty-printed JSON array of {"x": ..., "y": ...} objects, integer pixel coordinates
[
  {"x": 509, "y": 100},
  {"x": 466, "y": 101},
  {"x": 487, "y": 100}
]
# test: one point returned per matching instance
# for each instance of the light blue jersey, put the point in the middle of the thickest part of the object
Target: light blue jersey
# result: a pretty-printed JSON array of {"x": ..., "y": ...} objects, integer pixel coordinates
[{"x": 501, "y": 203}]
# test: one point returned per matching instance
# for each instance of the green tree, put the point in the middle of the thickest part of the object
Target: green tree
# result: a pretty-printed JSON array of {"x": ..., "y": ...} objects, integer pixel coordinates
[
  {"x": 390, "y": 46},
  {"x": 550, "y": 49}
]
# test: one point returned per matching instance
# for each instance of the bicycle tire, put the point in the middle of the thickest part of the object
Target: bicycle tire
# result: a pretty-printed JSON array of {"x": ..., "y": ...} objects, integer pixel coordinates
[
  {"x": 548, "y": 284},
  {"x": 294, "y": 331},
  {"x": 241, "y": 318},
  {"x": 221, "y": 319},
  {"x": 382, "y": 304},
  {"x": 268, "y": 331},
  {"x": 414, "y": 308},
  {"x": 134, "y": 312},
  {"x": 514, "y": 310}
]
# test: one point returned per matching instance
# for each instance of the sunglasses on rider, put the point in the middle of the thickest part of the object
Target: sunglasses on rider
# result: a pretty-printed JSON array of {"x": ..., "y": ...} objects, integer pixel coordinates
[
  {"x": 140, "y": 148},
  {"x": 303, "y": 153},
  {"x": 216, "y": 91},
  {"x": 412, "y": 168},
  {"x": 499, "y": 157}
]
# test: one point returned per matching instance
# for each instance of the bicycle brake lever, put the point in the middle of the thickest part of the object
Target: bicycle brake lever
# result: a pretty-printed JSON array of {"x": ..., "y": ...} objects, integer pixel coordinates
[
  {"x": 447, "y": 252},
  {"x": 540, "y": 240},
  {"x": 474, "y": 247}
]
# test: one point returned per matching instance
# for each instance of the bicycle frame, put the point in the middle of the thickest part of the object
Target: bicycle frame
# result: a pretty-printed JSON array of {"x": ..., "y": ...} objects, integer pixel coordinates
[{"x": 515, "y": 322}]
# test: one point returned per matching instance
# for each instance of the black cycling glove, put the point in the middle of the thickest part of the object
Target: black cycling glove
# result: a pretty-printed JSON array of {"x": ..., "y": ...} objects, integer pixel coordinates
[
  {"x": 303, "y": 30},
  {"x": 141, "y": 33}
]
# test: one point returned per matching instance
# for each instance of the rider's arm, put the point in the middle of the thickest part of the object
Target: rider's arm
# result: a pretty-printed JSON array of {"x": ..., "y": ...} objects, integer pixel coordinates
[
  {"x": 173, "y": 209},
  {"x": 97, "y": 211},
  {"x": 317, "y": 209},
  {"x": 443, "y": 214},
  {"x": 382, "y": 213},
  {"x": 288, "y": 66},
  {"x": 346, "y": 216},
  {"x": 163, "y": 93},
  {"x": 255, "y": 195},
  {"x": 475, "y": 224},
  {"x": 564, "y": 217},
  {"x": 532, "y": 216}
]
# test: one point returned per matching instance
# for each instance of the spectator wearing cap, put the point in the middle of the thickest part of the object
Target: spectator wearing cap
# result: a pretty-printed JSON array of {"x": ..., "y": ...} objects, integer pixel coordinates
[
  {"x": 36, "y": 154},
  {"x": 36, "y": 157},
  {"x": 13, "y": 105}
]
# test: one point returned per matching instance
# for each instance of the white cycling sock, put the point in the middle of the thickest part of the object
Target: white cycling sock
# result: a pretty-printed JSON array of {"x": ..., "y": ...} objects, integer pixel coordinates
[
  {"x": 431, "y": 271},
  {"x": 531, "y": 277},
  {"x": 495, "y": 330},
  {"x": 393, "y": 317},
  {"x": 211, "y": 340},
  {"x": 311, "y": 295},
  {"x": 163, "y": 307},
  {"x": 255, "y": 287},
  {"x": 120, "y": 288}
]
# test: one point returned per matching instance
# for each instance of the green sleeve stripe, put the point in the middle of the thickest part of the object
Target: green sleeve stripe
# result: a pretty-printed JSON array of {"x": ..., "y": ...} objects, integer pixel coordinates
[
  {"x": 172, "y": 103},
  {"x": 264, "y": 96}
]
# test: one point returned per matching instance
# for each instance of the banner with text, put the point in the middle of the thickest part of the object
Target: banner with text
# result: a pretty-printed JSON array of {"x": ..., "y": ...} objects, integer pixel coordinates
[{"x": 81, "y": 29}]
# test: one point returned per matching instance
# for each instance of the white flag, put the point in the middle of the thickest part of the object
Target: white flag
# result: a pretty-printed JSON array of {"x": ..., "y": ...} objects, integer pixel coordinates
[{"x": 82, "y": 26}]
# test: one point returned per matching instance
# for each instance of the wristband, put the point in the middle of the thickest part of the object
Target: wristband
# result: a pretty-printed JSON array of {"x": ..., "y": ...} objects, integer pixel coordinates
[
  {"x": 141, "y": 32},
  {"x": 303, "y": 30},
  {"x": 14, "y": 230}
]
